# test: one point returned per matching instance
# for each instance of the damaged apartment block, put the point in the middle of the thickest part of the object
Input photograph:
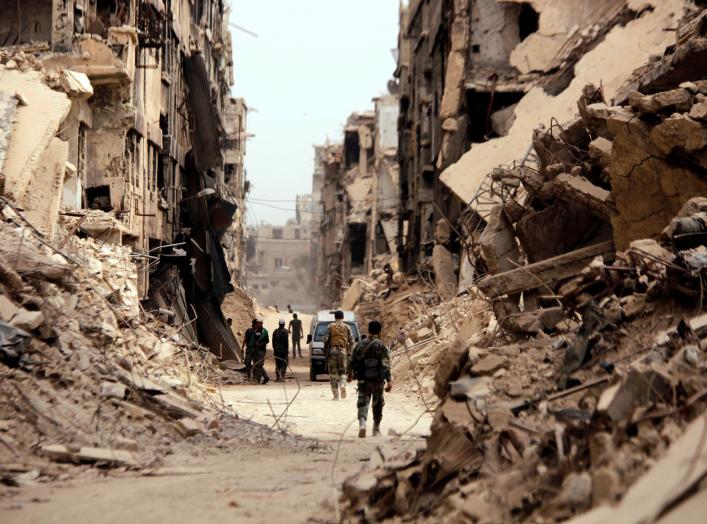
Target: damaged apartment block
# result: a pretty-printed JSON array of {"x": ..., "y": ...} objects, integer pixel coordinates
[
  {"x": 474, "y": 76},
  {"x": 118, "y": 114},
  {"x": 358, "y": 199}
]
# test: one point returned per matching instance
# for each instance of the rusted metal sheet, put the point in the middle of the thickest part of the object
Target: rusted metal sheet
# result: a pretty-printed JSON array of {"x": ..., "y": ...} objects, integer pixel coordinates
[
  {"x": 206, "y": 140},
  {"x": 215, "y": 331}
]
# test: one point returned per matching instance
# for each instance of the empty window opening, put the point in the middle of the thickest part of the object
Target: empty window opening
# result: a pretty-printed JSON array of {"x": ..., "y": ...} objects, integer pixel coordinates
[
  {"x": 357, "y": 241},
  {"x": 99, "y": 198},
  {"x": 351, "y": 148},
  {"x": 528, "y": 21},
  {"x": 480, "y": 105},
  {"x": 277, "y": 233},
  {"x": 278, "y": 263},
  {"x": 298, "y": 234},
  {"x": 108, "y": 13}
]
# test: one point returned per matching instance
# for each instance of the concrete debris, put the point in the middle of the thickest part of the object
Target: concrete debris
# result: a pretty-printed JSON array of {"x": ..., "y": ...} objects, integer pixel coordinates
[
  {"x": 92, "y": 363},
  {"x": 581, "y": 389}
]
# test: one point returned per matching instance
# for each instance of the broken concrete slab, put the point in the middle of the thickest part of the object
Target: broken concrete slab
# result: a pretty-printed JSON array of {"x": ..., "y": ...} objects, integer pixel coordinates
[
  {"x": 450, "y": 365},
  {"x": 676, "y": 100},
  {"x": 679, "y": 132},
  {"x": 498, "y": 245},
  {"x": 445, "y": 272},
  {"x": 600, "y": 150},
  {"x": 176, "y": 406},
  {"x": 641, "y": 385},
  {"x": 545, "y": 273},
  {"x": 8, "y": 308},
  {"x": 581, "y": 191},
  {"x": 35, "y": 126},
  {"x": 699, "y": 111},
  {"x": 113, "y": 390},
  {"x": 116, "y": 457},
  {"x": 559, "y": 228},
  {"x": 698, "y": 325},
  {"x": 44, "y": 191},
  {"x": 27, "y": 320},
  {"x": 488, "y": 365},
  {"x": 56, "y": 452},
  {"x": 189, "y": 426}
]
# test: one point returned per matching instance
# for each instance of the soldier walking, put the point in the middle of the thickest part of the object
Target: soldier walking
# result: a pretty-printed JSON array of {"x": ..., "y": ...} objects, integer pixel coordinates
[
  {"x": 338, "y": 343},
  {"x": 261, "y": 338},
  {"x": 282, "y": 351},
  {"x": 249, "y": 347},
  {"x": 370, "y": 366},
  {"x": 295, "y": 328}
]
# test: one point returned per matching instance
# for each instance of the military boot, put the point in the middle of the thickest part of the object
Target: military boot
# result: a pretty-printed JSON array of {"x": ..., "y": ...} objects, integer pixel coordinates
[
  {"x": 376, "y": 429},
  {"x": 343, "y": 390},
  {"x": 362, "y": 428},
  {"x": 335, "y": 391}
]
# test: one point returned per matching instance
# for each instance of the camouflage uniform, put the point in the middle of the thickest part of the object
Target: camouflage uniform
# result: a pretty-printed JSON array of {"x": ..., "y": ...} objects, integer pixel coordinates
[
  {"x": 337, "y": 355},
  {"x": 370, "y": 390}
]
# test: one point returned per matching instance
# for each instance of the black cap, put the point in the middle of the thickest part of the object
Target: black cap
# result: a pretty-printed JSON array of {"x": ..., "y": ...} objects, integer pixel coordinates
[
  {"x": 338, "y": 314},
  {"x": 374, "y": 327}
]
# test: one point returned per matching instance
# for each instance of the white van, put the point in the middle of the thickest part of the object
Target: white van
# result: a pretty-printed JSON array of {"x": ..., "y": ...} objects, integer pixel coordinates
[{"x": 315, "y": 339}]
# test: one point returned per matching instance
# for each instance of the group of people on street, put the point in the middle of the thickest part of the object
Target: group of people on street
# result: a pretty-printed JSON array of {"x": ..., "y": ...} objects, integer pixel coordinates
[
  {"x": 367, "y": 362},
  {"x": 256, "y": 340}
]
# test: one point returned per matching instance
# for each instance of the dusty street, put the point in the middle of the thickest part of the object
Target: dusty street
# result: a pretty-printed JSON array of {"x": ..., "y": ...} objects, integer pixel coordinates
[{"x": 250, "y": 483}]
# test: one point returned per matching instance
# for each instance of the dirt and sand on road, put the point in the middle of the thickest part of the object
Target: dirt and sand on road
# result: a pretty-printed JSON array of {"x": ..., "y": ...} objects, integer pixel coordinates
[{"x": 283, "y": 479}]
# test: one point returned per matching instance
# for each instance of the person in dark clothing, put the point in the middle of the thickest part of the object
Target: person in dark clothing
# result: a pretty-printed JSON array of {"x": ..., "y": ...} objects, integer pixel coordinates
[
  {"x": 282, "y": 352},
  {"x": 295, "y": 328},
  {"x": 261, "y": 339},
  {"x": 370, "y": 366},
  {"x": 248, "y": 349}
]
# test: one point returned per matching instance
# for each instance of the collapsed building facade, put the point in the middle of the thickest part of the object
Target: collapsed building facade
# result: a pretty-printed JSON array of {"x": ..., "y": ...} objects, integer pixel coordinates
[
  {"x": 473, "y": 76},
  {"x": 555, "y": 312},
  {"x": 119, "y": 114},
  {"x": 358, "y": 202}
]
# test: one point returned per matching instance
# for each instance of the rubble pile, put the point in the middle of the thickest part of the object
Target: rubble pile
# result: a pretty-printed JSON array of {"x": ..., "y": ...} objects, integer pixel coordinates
[
  {"x": 395, "y": 300},
  {"x": 22, "y": 57},
  {"x": 88, "y": 376},
  {"x": 541, "y": 428},
  {"x": 583, "y": 397},
  {"x": 422, "y": 344}
]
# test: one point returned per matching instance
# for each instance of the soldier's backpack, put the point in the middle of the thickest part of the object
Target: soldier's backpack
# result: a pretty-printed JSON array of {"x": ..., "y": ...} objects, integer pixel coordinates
[
  {"x": 370, "y": 367},
  {"x": 338, "y": 335}
]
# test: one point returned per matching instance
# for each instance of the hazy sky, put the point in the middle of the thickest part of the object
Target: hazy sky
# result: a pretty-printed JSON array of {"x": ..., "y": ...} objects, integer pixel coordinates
[{"x": 313, "y": 63}]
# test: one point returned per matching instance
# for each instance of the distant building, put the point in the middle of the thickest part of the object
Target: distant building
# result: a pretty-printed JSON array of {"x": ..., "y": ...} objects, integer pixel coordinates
[{"x": 278, "y": 265}]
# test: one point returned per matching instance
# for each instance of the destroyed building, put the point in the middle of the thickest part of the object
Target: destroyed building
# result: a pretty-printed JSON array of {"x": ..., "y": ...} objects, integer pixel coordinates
[
  {"x": 234, "y": 240},
  {"x": 359, "y": 196},
  {"x": 564, "y": 354},
  {"x": 119, "y": 115},
  {"x": 468, "y": 86}
]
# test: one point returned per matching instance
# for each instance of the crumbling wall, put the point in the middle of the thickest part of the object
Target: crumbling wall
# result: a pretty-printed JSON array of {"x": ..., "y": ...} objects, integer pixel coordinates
[
  {"x": 664, "y": 163},
  {"x": 625, "y": 48},
  {"x": 24, "y": 22}
]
